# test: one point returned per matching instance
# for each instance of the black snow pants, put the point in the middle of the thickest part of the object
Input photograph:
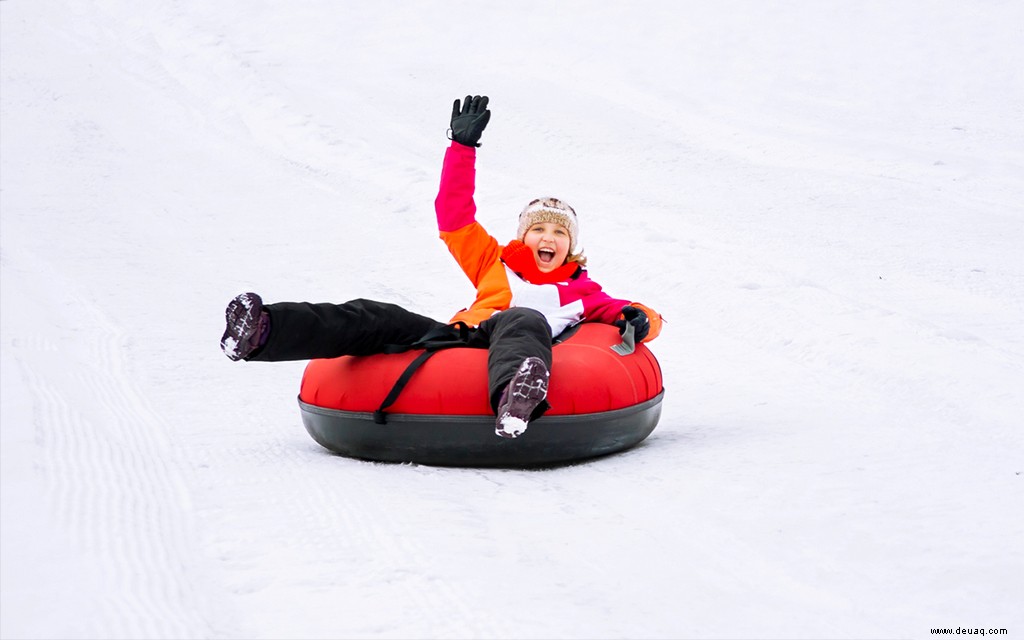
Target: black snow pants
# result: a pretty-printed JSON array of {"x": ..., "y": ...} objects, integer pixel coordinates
[{"x": 304, "y": 331}]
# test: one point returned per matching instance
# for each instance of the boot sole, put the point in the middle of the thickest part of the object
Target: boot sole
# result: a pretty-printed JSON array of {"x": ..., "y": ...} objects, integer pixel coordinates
[
  {"x": 242, "y": 318},
  {"x": 529, "y": 387}
]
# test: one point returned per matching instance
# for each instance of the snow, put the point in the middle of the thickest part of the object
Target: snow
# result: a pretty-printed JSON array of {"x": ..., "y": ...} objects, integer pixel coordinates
[
  {"x": 824, "y": 200},
  {"x": 510, "y": 427}
]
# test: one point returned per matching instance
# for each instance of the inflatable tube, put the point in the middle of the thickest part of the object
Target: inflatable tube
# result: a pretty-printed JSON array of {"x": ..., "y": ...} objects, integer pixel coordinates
[{"x": 601, "y": 403}]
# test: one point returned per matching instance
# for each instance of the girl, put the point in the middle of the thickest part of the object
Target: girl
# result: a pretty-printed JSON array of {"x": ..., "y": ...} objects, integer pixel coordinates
[{"x": 528, "y": 292}]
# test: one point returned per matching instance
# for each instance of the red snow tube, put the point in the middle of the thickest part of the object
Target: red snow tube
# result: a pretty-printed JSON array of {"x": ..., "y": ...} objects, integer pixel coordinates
[{"x": 601, "y": 403}]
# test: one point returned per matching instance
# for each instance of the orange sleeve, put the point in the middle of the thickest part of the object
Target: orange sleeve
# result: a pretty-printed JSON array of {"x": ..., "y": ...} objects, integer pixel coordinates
[
  {"x": 474, "y": 249},
  {"x": 655, "y": 319}
]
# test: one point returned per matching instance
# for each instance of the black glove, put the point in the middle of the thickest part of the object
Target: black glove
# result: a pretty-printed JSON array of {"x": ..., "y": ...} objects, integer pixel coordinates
[
  {"x": 469, "y": 122},
  {"x": 637, "y": 318}
]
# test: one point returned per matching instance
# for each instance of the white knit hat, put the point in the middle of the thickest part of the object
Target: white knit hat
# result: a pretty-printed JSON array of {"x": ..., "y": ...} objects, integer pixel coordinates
[{"x": 549, "y": 210}]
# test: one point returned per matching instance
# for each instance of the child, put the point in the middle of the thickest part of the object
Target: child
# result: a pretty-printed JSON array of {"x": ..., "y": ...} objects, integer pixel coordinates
[{"x": 528, "y": 292}]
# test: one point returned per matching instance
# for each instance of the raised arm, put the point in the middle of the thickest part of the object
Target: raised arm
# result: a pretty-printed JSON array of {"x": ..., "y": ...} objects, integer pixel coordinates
[
  {"x": 454, "y": 204},
  {"x": 473, "y": 248}
]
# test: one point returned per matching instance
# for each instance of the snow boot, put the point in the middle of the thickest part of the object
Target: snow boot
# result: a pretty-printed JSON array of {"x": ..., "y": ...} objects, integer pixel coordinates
[
  {"x": 248, "y": 326},
  {"x": 527, "y": 389}
]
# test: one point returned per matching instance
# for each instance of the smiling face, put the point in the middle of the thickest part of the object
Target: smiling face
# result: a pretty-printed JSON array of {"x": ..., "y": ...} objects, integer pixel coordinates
[{"x": 549, "y": 243}]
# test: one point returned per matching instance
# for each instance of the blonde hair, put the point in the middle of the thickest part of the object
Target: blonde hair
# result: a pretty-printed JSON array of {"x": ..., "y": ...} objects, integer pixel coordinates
[{"x": 579, "y": 259}]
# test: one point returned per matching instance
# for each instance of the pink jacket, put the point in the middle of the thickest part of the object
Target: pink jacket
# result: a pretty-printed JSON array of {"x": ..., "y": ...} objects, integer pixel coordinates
[{"x": 578, "y": 299}]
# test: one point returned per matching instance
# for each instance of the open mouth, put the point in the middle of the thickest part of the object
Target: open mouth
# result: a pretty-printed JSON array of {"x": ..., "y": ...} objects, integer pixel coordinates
[{"x": 546, "y": 256}]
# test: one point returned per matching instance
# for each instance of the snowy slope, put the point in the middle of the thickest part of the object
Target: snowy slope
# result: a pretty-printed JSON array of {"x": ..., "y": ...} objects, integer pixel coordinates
[{"x": 823, "y": 199}]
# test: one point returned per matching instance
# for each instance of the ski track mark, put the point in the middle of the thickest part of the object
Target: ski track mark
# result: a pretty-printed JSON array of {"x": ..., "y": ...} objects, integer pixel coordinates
[
  {"x": 344, "y": 534},
  {"x": 109, "y": 468}
]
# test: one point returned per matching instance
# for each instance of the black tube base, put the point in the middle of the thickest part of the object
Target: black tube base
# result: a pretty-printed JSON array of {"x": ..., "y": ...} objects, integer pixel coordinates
[{"x": 470, "y": 441}]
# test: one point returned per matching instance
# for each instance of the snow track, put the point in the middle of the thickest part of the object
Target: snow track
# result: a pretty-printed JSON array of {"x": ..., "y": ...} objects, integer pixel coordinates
[{"x": 108, "y": 468}]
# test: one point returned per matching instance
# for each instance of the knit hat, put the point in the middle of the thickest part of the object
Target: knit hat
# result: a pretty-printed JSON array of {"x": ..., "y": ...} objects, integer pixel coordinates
[{"x": 549, "y": 210}]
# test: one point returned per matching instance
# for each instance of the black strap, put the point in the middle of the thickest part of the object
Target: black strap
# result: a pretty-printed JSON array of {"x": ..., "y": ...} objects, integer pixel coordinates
[
  {"x": 379, "y": 416},
  {"x": 446, "y": 337}
]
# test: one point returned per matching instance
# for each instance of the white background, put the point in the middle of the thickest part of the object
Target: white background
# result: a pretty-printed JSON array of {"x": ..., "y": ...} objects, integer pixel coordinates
[{"x": 824, "y": 200}]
